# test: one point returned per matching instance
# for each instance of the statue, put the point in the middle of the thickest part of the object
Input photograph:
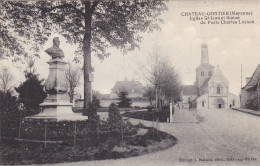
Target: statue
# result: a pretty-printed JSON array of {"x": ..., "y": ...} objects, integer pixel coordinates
[{"x": 55, "y": 51}]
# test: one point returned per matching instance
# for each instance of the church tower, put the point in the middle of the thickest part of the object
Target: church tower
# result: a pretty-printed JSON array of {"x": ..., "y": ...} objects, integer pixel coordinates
[
  {"x": 204, "y": 54},
  {"x": 204, "y": 71}
]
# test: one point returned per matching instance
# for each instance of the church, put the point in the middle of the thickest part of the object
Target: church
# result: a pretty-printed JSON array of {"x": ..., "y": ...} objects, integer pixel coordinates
[{"x": 211, "y": 88}]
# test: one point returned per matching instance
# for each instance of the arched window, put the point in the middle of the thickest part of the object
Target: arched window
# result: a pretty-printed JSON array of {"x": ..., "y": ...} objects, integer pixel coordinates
[
  {"x": 202, "y": 103},
  {"x": 218, "y": 89},
  {"x": 233, "y": 102}
]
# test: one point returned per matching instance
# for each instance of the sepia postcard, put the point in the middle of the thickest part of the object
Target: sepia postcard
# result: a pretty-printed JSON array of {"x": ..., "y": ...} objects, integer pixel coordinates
[{"x": 130, "y": 82}]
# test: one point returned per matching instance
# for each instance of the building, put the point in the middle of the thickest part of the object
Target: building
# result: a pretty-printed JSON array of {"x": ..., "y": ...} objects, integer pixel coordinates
[
  {"x": 189, "y": 95},
  {"x": 250, "y": 93},
  {"x": 134, "y": 89},
  {"x": 211, "y": 88}
]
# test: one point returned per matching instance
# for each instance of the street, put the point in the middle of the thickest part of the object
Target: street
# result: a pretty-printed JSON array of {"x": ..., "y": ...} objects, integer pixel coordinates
[{"x": 221, "y": 137}]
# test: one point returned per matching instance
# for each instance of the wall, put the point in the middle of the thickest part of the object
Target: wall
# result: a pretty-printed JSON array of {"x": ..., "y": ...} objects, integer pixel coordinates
[{"x": 200, "y": 101}]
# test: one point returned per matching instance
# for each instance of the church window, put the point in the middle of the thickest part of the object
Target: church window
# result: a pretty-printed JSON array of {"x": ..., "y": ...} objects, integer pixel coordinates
[
  {"x": 233, "y": 102},
  {"x": 202, "y": 73},
  {"x": 218, "y": 89},
  {"x": 202, "y": 103}
]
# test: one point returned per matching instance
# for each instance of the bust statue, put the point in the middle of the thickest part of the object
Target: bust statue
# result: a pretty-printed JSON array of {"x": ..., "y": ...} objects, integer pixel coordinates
[{"x": 55, "y": 51}]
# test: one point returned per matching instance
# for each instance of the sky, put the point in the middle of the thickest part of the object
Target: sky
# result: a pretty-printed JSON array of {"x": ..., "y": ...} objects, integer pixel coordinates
[{"x": 229, "y": 46}]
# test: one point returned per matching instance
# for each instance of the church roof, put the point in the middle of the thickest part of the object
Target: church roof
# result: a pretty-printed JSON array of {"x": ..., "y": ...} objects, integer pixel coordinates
[
  {"x": 205, "y": 84},
  {"x": 189, "y": 90},
  {"x": 218, "y": 73}
]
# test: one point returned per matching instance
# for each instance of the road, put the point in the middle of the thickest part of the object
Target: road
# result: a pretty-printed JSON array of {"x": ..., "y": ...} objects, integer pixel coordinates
[{"x": 221, "y": 137}]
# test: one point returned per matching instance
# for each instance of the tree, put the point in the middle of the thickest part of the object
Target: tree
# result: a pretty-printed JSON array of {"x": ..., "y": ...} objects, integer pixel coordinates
[
  {"x": 6, "y": 80},
  {"x": 150, "y": 94},
  {"x": 163, "y": 77},
  {"x": 72, "y": 75},
  {"x": 93, "y": 25},
  {"x": 31, "y": 92},
  {"x": 124, "y": 102}
]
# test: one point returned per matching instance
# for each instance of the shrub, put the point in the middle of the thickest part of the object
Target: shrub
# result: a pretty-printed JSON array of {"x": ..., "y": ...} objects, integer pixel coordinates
[
  {"x": 124, "y": 101},
  {"x": 92, "y": 111},
  {"x": 150, "y": 108},
  {"x": 252, "y": 104},
  {"x": 138, "y": 141},
  {"x": 31, "y": 93},
  {"x": 96, "y": 101},
  {"x": 9, "y": 115},
  {"x": 114, "y": 117}
]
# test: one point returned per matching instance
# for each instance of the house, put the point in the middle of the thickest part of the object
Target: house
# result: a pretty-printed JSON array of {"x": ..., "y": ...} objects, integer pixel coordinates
[
  {"x": 189, "y": 95},
  {"x": 134, "y": 89},
  {"x": 250, "y": 93}
]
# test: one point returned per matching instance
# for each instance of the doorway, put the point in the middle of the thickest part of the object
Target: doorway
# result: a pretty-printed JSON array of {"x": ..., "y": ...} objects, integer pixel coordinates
[{"x": 220, "y": 104}]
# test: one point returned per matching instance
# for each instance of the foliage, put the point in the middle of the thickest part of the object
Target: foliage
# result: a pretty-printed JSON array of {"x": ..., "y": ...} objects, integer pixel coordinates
[
  {"x": 150, "y": 95},
  {"x": 6, "y": 79},
  {"x": 8, "y": 104},
  {"x": 93, "y": 25},
  {"x": 92, "y": 111},
  {"x": 162, "y": 76},
  {"x": 149, "y": 115},
  {"x": 96, "y": 101},
  {"x": 9, "y": 115},
  {"x": 19, "y": 153},
  {"x": 124, "y": 101},
  {"x": 31, "y": 93},
  {"x": 252, "y": 104},
  {"x": 93, "y": 108},
  {"x": 114, "y": 117}
]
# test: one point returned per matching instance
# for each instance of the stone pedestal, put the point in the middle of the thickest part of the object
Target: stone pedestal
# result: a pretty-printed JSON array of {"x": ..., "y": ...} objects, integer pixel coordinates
[{"x": 56, "y": 107}]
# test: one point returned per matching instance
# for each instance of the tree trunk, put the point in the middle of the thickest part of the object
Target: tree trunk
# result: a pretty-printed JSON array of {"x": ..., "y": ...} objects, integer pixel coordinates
[
  {"x": 87, "y": 57},
  {"x": 71, "y": 97},
  {"x": 0, "y": 126}
]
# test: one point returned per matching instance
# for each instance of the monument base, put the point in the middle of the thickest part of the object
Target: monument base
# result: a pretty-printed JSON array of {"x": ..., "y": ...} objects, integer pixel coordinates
[{"x": 57, "y": 111}]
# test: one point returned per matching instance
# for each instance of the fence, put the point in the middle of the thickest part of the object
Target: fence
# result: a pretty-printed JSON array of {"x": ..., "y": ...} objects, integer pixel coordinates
[{"x": 48, "y": 132}]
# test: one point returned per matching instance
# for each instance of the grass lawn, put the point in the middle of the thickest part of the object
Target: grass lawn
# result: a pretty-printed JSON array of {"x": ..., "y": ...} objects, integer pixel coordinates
[{"x": 144, "y": 140}]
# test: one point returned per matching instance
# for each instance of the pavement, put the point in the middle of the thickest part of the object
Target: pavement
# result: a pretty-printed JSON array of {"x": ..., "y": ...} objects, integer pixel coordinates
[
  {"x": 183, "y": 116},
  {"x": 219, "y": 137},
  {"x": 252, "y": 112}
]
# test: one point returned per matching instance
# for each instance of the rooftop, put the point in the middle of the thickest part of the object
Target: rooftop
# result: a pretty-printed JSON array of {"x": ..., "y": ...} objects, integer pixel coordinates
[{"x": 189, "y": 90}]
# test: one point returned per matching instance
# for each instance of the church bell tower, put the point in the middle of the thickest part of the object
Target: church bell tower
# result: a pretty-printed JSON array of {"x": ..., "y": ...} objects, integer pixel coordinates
[
  {"x": 204, "y": 71},
  {"x": 204, "y": 54}
]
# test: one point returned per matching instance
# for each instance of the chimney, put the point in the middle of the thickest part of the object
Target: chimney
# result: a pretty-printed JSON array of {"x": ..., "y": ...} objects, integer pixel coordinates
[{"x": 204, "y": 54}]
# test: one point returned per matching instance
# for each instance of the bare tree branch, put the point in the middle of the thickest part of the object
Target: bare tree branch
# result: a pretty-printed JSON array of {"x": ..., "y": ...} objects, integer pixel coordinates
[{"x": 6, "y": 80}]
